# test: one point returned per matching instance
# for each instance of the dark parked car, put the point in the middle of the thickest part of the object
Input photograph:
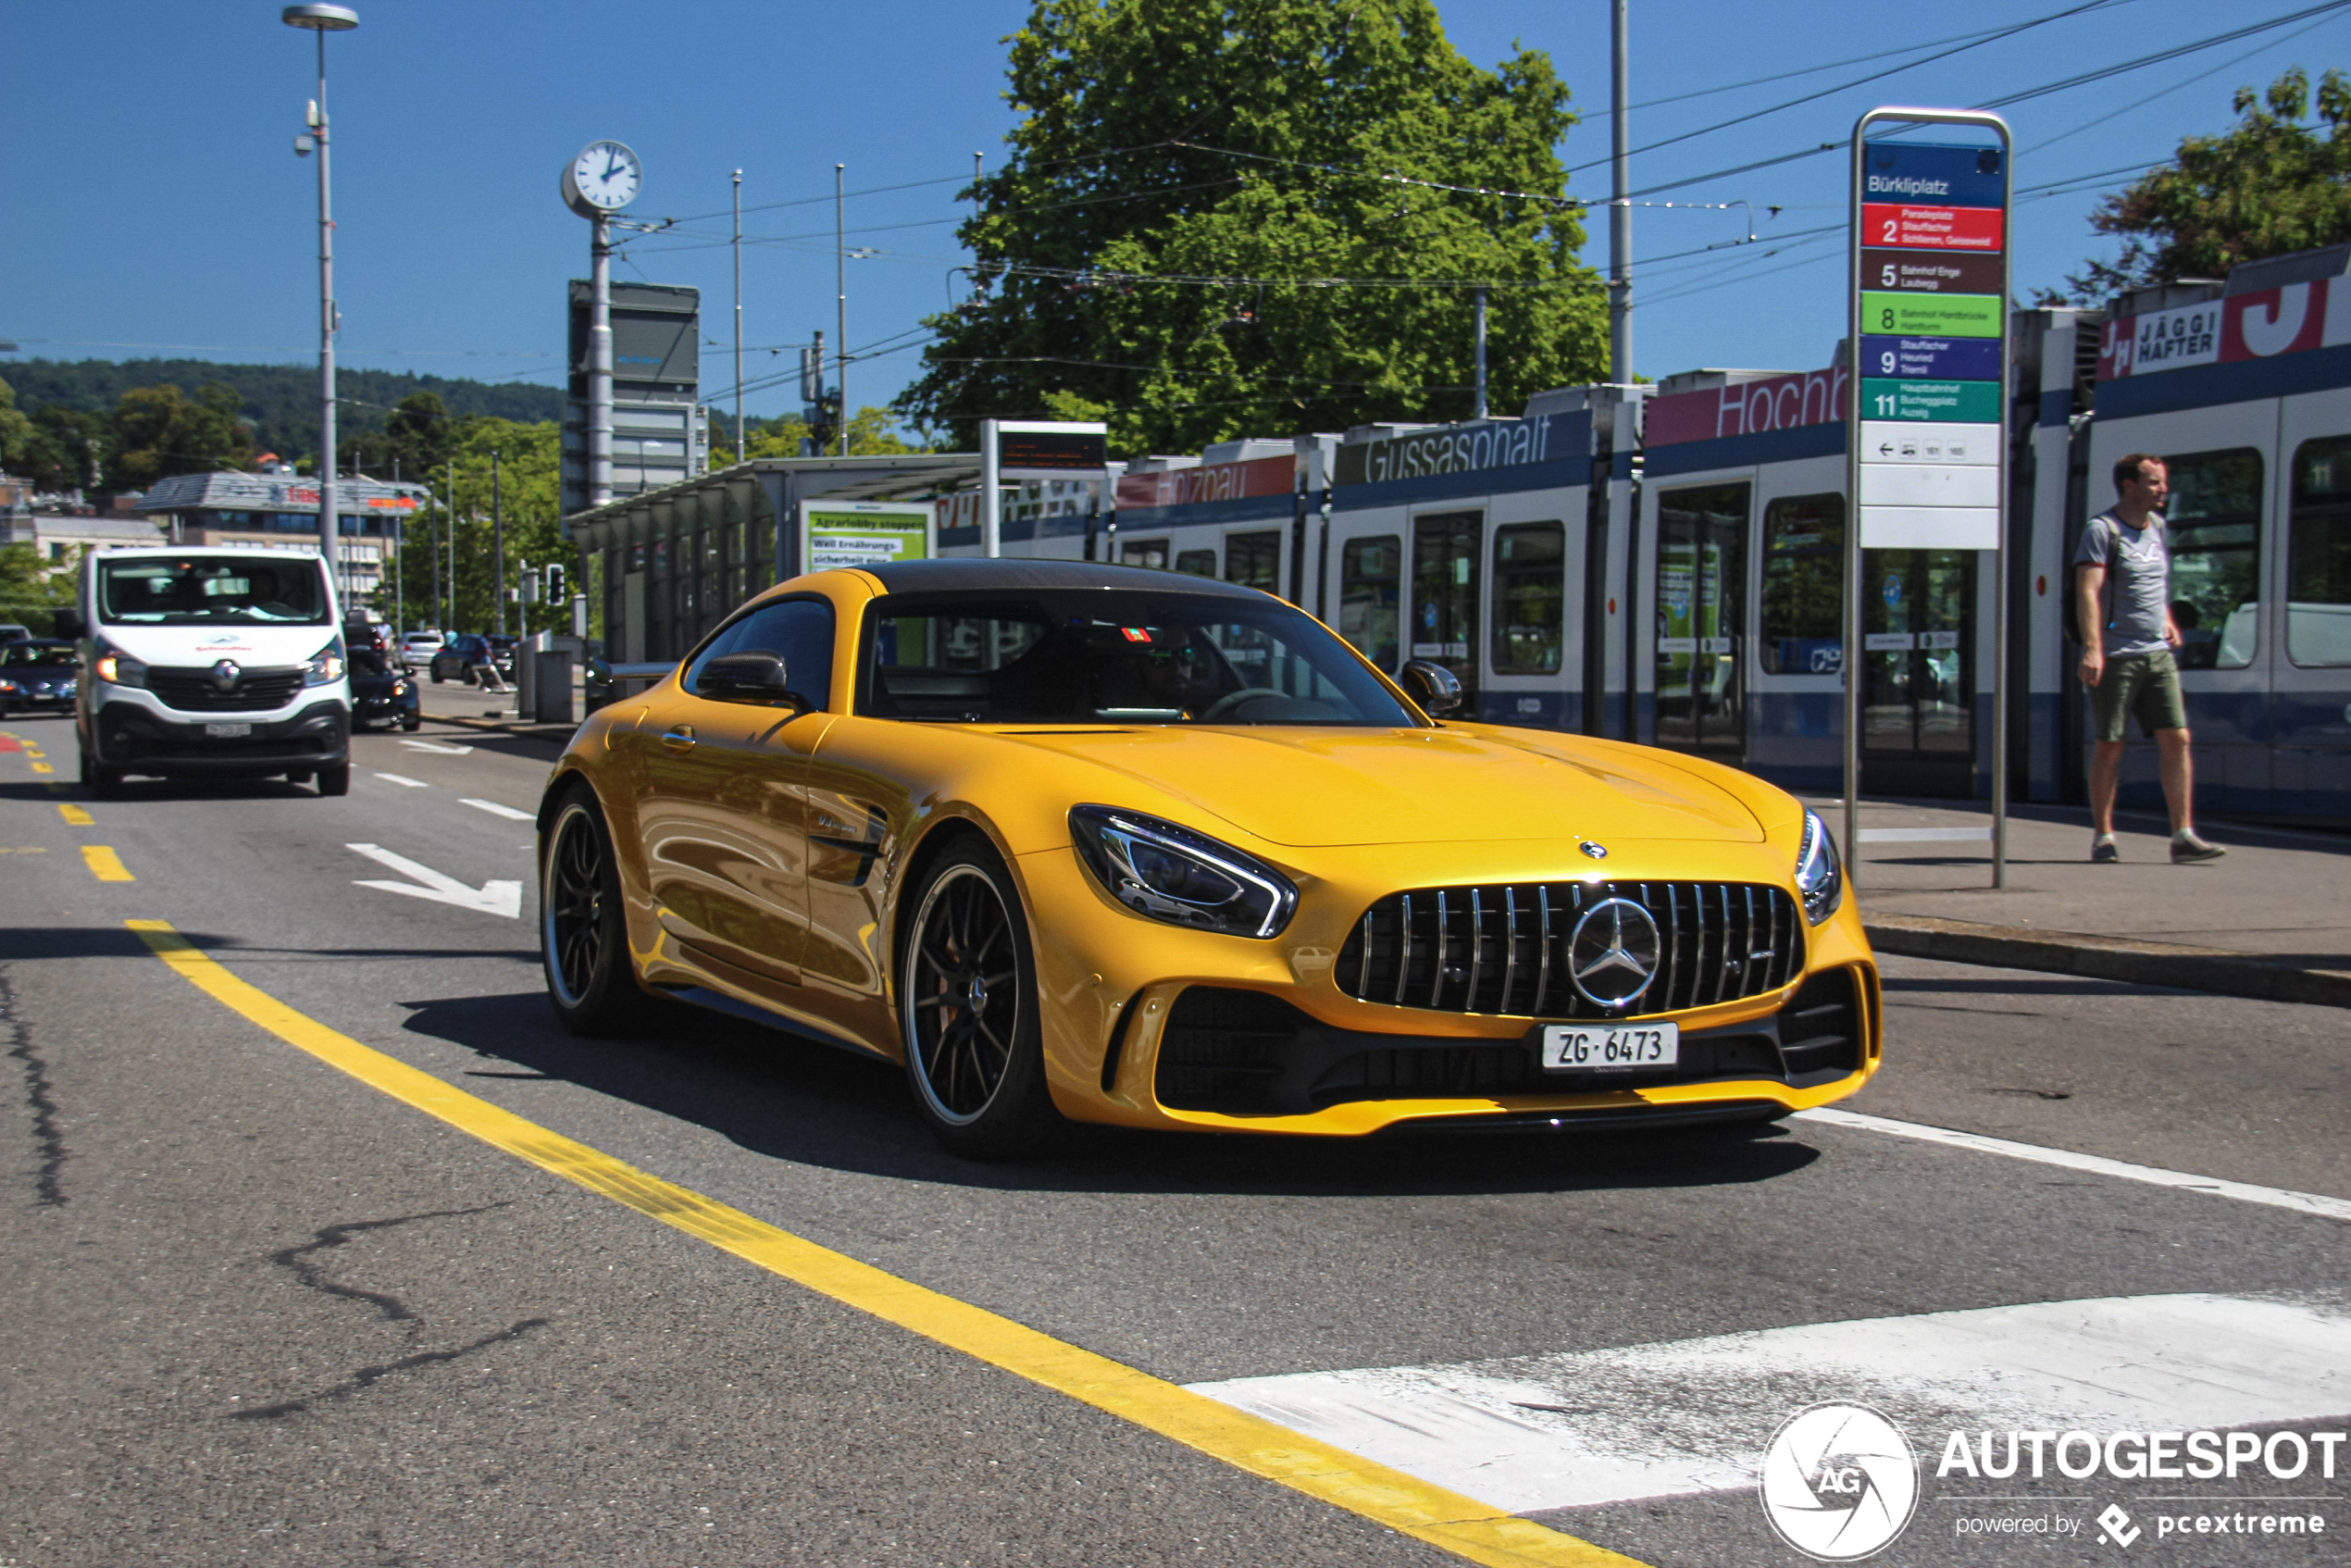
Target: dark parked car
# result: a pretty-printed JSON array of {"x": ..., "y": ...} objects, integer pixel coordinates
[
  {"x": 374, "y": 635},
  {"x": 462, "y": 652},
  {"x": 383, "y": 692},
  {"x": 39, "y": 672}
]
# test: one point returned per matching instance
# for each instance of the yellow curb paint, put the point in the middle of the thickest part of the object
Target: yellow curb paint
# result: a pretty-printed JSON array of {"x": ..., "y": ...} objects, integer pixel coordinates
[
  {"x": 105, "y": 864},
  {"x": 43, "y": 767},
  {"x": 76, "y": 816},
  {"x": 1461, "y": 1525}
]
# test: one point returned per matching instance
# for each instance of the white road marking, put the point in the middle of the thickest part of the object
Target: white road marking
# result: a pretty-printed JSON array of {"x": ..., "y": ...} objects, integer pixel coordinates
[
  {"x": 494, "y": 809},
  {"x": 437, "y": 747},
  {"x": 491, "y": 898},
  {"x": 1922, "y": 835},
  {"x": 402, "y": 778},
  {"x": 2244, "y": 1192},
  {"x": 1599, "y": 1426}
]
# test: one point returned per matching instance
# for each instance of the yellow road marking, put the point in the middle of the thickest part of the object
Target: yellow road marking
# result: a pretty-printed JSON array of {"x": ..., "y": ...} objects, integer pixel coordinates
[
  {"x": 75, "y": 816},
  {"x": 1404, "y": 1504},
  {"x": 105, "y": 864},
  {"x": 27, "y": 849},
  {"x": 43, "y": 767}
]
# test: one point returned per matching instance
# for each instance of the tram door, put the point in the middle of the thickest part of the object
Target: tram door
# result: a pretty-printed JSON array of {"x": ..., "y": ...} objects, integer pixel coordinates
[
  {"x": 1701, "y": 610},
  {"x": 1445, "y": 593},
  {"x": 1918, "y": 719}
]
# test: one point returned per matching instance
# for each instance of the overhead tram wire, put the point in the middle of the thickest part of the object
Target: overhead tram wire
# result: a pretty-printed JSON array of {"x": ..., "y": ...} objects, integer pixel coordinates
[
  {"x": 2182, "y": 85},
  {"x": 2082, "y": 79}
]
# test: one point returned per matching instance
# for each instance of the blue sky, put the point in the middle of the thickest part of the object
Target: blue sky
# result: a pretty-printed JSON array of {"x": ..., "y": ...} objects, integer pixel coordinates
[{"x": 155, "y": 205}]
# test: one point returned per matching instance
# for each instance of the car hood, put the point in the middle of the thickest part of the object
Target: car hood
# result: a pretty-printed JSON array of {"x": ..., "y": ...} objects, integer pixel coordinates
[
  {"x": 254, "y": 647},
  {"x": 1324, "y": 787}
]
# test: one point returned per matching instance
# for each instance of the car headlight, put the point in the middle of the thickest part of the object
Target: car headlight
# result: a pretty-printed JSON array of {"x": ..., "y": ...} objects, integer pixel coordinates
[
  {"x": 1168, "y": 873},
  {"x": 117, "y": 668},
  {"x": 399, "y": 688},
  {"x": 324, "y": 666},
  {"x": 1818, "y": 877}
]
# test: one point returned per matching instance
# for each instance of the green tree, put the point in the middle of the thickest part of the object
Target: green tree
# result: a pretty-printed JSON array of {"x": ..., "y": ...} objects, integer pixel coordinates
[
  {"x": 1196, "y": 199},
  {"x": 528, "y": 496},
  {"x": 20, "y": 438},
  {"x": 2270, "y": 185},
  {"x": 31, "y": 590},
  {"x": 160, "y": 431},
  {"x": 873, "y": 432}
]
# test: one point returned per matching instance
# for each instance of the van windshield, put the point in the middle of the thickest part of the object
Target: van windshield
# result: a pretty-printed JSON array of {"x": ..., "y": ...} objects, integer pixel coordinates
[{"x": 281, "y": 589}]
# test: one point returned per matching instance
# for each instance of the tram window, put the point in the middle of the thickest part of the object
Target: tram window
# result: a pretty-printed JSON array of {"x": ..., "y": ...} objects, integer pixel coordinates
[
  {"x": 2317, "y": 609},
  {"x": 1803, "y": 584},
  {"x": 1253, "y": 560},
  {"x": 1196, "y": 563},
  {"x": 2214, "y": 517},
  {"x": 1370, "y": 585},
  {"x": 1150, "y": 552},
  {"x": 1530, "y": 597}
]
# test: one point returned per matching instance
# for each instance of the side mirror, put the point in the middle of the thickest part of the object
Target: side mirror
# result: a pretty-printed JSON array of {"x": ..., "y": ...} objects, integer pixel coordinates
[
  {"x": 745, "y": 678},
  {"x": 1435, "y": 688},
  {"x": 68, "y": 623}
]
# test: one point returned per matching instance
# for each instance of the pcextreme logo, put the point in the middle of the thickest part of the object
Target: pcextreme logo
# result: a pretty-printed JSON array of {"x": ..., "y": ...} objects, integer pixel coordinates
[{"x": 1839, "y": 1482}]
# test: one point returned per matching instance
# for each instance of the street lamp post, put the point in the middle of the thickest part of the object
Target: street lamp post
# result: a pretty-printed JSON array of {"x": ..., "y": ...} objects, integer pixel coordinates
[{"x": 322, "y": 20}]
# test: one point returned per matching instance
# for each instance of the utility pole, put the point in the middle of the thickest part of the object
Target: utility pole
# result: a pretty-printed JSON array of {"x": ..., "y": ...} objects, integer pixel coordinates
[
  {"x": 320, "y": 20},
  {"x": 739, "y": 316},
  {"x": 498, "y": 533},
  {"x": 1481, "y": 355},
  {"x": 599, "y": 376},
  {"x": 451, "y": 628},
  {"x": 399, "y": 562},
  {"x": 840, "y": 281},
  {"x": 433, "y": 548},
  {"x": 1620, "y": 209}
]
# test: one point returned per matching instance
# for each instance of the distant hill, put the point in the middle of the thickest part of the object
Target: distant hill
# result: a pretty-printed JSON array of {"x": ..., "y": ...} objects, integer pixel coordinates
[{"x": 281, "y": 400}]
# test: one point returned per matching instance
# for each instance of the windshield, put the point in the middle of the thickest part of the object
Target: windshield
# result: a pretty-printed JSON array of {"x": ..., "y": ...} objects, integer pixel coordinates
[
  {"x": 59, "y": 656},
  {"x": 1091, "y": 656},
  {"x": 278, "y": 590}
]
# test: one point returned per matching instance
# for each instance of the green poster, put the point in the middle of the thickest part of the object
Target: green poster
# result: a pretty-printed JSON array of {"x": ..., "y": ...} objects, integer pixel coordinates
[
  {"x": 1929, "y": 315},
  {"x": 1965, "y": 403},
  {"x": 872, "y": 535}
]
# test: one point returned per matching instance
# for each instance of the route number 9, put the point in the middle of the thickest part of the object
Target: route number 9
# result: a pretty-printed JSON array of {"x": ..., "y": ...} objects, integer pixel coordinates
[
  {"x": 1890, "y": 227},
  {"x": 1885, "y": 363}
]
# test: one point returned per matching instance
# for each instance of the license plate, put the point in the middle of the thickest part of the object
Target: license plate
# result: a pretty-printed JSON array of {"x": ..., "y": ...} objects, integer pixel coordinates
[
  {"x": 1580, "y": 1047},
  {"x": 227, "y": 731}
]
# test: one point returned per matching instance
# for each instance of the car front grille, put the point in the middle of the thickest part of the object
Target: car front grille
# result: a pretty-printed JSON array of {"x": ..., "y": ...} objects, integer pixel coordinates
[
  {"x": 1504, "y": 948},
  {"x": 194, "y": 690}
]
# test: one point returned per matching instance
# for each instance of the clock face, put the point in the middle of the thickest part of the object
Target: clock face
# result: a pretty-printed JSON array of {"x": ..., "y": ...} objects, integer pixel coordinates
[{"x": 606, "y": 176}]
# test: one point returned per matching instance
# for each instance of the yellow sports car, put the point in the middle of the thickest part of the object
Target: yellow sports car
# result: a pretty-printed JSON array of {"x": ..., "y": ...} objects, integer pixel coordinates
[{"x": 1114, "y": 845}]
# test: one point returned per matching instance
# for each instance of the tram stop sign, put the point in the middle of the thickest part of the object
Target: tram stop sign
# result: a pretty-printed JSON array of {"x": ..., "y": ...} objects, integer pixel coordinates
[{"x": 1929, "y": 321}]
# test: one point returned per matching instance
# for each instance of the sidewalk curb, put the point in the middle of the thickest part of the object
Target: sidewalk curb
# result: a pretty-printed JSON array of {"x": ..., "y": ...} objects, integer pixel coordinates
[
  {"x": 2132, "y": 961},
  {"x": 561, "y": 733}
]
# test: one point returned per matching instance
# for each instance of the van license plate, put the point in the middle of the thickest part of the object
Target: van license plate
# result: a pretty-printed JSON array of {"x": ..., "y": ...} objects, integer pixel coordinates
[
  {"x": 227, "y": 731},
  {"x": 1576, "y": 1047}
]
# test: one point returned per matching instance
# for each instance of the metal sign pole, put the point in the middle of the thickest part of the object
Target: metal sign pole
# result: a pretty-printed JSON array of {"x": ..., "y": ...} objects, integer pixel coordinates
[{"x": 1927, "y": 419}]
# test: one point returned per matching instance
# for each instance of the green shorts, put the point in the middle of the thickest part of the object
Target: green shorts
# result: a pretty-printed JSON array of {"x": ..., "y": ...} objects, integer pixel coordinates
[{"x": 2144, "y": 684}]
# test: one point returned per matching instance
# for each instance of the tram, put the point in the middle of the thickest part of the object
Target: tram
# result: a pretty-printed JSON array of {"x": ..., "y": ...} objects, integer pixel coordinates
[{"x": 1665, "y": 563}]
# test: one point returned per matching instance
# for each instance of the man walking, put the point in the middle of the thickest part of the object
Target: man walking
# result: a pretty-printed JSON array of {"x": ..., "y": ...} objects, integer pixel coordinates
[{"x": 2122, "y": 573}]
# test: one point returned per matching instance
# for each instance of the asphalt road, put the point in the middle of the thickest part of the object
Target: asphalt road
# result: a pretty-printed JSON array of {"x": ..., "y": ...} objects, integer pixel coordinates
[{"x": 253, "y": 1310}]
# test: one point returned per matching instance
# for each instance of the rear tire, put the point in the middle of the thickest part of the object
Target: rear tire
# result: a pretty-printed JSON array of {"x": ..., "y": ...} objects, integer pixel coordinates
[
  {"x": 967, "y": 1011},
  {"x": 335, "y": 781},
  {"x": 583, "y": 931},
  {"x": 411, "y": 725}
]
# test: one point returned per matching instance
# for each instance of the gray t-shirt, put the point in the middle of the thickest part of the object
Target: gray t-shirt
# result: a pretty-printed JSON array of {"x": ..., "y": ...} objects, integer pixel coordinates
[{"x": 2138, "y": 581}]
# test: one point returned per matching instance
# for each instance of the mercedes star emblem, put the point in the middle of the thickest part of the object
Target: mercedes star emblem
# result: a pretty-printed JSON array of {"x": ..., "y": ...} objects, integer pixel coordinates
[{"x": 1614, "y": 954}]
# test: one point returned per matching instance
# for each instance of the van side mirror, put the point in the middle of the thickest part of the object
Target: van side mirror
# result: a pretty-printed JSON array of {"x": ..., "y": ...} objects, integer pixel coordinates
[
  {"x": 746, "y": 678},
  {"x": 1435, "y": 688},
  {"x": 67, "y": 624}
]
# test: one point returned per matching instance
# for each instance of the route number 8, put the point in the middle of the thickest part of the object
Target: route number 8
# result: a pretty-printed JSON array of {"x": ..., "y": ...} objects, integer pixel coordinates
[{"x": 1885, "y": 319}]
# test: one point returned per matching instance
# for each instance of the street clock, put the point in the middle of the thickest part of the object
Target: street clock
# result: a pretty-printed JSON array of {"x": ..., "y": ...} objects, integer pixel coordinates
[{"x": 602, "y": 179}]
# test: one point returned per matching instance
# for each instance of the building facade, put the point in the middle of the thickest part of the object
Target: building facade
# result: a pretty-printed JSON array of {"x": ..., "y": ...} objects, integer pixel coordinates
[{"x": 281, "y": 512}]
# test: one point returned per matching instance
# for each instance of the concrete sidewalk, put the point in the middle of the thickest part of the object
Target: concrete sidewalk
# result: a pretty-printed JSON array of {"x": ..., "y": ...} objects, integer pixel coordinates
[{"x": 2273, "y": 920}]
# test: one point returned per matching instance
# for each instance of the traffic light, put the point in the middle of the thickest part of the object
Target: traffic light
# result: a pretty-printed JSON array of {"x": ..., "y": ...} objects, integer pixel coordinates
[{"x": 554, "y": 575}]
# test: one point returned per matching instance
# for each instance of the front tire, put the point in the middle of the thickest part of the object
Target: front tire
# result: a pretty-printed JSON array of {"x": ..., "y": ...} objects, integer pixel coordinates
[
  {"x": 335, "y": 781},
  {"x": 103, "y": 782},
  {"x": 583, "y": 934},
  {"x": 967, "y": 1011}
]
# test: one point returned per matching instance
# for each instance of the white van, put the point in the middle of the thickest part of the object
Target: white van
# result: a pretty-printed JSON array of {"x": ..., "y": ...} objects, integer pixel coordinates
[{"x": 211, "y": 663}]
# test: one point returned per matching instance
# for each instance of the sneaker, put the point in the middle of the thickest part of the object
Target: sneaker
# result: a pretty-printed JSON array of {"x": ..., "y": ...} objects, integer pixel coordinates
[
  {"x": 2102, "y": 850},
  {"x": 2187, "y": 849}
]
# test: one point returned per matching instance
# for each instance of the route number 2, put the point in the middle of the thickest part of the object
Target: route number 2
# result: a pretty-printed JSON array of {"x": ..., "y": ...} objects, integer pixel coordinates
[{"x": 1890, "y": 227}]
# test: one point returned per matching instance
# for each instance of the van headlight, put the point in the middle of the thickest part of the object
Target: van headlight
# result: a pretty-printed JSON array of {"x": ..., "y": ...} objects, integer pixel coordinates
[
  {"x": 1168, "y": 873},
  {"x": 117, "y": 668},
  {"x": 1819, "y": 877},
  {"x": 324, "y": 666}
]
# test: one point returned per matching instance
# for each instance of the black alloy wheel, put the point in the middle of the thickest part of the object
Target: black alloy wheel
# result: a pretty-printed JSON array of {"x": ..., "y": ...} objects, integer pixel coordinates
[
  {"x": 583, "y": 936},
  {"x": 967, "y": 1011}
]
